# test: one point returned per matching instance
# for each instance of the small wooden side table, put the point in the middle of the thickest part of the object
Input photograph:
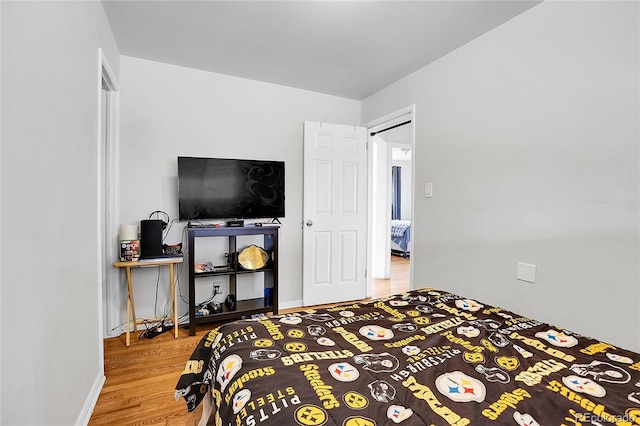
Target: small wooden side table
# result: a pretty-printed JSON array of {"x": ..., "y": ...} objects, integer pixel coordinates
[{"x": 131, "y": 310}]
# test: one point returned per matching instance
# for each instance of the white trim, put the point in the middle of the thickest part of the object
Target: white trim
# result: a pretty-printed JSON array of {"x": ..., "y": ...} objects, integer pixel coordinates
[
  {"x": 392, "y": 118},
  {"x": 90, "y": 402},
  {"x": 291, "y": 304},
  {"x": 106, "y": 73}
]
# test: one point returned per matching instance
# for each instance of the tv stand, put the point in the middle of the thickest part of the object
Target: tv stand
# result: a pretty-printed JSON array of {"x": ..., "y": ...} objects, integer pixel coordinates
[
  {"x": 275, "y": 220},
  {"x": 240, "y": 307}
]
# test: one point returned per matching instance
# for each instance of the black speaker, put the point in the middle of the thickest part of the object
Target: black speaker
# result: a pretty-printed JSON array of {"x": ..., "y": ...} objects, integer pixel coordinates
[{"x": 150, "y": 238}]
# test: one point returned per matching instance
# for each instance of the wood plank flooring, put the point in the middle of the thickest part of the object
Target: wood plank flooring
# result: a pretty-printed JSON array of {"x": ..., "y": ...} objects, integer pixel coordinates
[{"x": 139, "y": 389}]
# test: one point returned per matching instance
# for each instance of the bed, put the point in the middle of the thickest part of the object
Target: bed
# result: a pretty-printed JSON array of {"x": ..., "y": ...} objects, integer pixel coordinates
[
  {"x": 400, "y": 237},
  {"x": 424, "y": 357}
]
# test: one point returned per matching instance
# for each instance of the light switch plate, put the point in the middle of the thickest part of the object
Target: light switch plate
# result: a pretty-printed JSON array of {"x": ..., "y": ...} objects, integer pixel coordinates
[
  {"x": 428, "y": 190},
  {"x": 526, "y": 272}
]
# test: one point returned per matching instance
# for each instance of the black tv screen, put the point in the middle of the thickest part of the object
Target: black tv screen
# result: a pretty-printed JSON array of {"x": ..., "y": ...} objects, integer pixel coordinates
[{"x": 223, "y": 188}]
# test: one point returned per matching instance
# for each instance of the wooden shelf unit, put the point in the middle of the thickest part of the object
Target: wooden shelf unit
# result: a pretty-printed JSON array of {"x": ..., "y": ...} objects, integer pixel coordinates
[{"x": 246, "y": 307}]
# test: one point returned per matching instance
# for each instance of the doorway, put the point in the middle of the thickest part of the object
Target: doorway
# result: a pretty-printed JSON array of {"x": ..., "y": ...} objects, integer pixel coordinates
[{"x": 391, "y": 142}]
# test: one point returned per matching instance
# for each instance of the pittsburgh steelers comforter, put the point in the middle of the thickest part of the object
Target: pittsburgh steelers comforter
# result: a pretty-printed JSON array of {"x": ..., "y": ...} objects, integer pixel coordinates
[{"x": 425, "y": 357}]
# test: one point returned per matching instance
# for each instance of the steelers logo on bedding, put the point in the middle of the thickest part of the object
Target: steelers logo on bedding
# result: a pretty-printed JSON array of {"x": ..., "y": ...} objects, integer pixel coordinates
[
  {"x": 398, "y": 413},
  {"x": 459, "y": 387},
  {"x": 343, "y": 372},
  {"x": 291, "y": 320},
  {"x": 228, "y": 368},
  {"x": 525, "y": 353},
  {"x": 468, "y": 331},
  {"x": 310, "y": 415},
  {"x": 347, "y": 314},
  {"x": 557, "y": 338},
  {"x": 295, "y": 347},
  {"x": 524, "y": 419},
  {"x": 619, "y": 358},
  {"x": 325, "y": 341},
  {"x": 295, "y": 333},
  {"x": 240, "y": 399},
  {"x": 584, "y": 385},
  {"x": 375, "y": 332},
  {"x": 469, "y": 305},
  {"x": 263, "y": 343},
  {"x": 413, "y": 313},
  {"x": 358, "y": 421},
  {"x": 410, "y": 350},
  {"x": 355, "y": 400},
  {"x": 217, "y": 340}
]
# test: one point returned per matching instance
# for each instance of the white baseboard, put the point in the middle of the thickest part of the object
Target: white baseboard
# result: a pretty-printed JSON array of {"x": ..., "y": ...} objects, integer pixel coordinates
[
  {"x": 291, "y": 304},
  {"x": 92, "y": 399}
]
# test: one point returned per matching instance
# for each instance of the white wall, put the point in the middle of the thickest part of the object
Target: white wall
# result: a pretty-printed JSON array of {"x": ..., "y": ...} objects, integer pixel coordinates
[
  {"x": 170, "y": 111},
  {"x": 530, "y": 137},
  {"x": 51, "y": 360}
]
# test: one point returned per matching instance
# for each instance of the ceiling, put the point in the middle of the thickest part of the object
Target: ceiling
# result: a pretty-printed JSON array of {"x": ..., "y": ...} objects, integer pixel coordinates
[{"x": 345, "y": 48}]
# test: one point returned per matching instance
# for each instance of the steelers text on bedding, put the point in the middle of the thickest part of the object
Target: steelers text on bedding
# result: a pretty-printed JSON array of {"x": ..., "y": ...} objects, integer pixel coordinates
[
  {"x": 508, "y": 399},
  {"x": 537, "y": 344},
  {"x": 274, "y": 403},
  {"x": 598, "y": 409},
  {"x": 424, "y": 393},
  {"x": 313, "y": 356},
  {"x": 322, "y": 390},
  {"x": 534, "y": 374}
]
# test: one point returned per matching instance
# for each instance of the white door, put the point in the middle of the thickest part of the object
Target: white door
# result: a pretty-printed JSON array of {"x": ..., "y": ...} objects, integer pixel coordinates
[{"x": 334, "y": 213}]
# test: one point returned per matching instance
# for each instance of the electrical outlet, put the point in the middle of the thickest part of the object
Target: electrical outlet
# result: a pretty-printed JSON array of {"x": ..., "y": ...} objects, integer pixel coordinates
[{"x": 216, "y": 287}]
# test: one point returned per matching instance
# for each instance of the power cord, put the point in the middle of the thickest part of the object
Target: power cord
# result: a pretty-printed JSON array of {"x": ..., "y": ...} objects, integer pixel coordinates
[{"x": 153, "y": 330}]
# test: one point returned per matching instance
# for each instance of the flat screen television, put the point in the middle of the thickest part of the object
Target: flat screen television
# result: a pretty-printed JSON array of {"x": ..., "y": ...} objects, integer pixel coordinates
[{"x": 224, "y": 188}]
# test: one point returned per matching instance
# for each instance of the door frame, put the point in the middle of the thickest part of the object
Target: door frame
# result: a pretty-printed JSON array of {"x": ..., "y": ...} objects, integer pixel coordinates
[{"x": 396, "y": 117}]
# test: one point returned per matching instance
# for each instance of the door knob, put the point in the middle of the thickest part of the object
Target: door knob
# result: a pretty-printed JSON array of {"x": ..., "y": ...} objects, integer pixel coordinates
[{"x": 309, "y": 222}]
